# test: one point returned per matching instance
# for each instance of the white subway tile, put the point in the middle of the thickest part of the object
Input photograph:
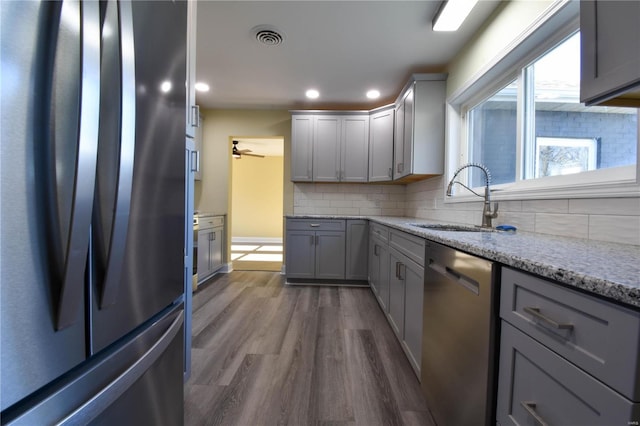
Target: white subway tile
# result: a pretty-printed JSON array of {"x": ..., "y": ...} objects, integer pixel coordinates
[
  {"x": 353, "y": 211},
  {"x": 568, "y": 225},
  {"x": 326, "y": 210},
  {"x": 606, "y": 206},
  {"x": 546, "y": 206},
  {"x": 341, "y": 203},
  {"x": 333, "y": 196},
  {"x": 522, "y": 221},
  {"x": 370, "y": 211},
  {"x": 378, "y": 196},
  {"x": 392, "y": 212},
  {"x": 617, "y": 229}
]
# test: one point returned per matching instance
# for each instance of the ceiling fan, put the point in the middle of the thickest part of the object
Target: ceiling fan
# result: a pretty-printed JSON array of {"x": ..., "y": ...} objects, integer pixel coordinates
[{"x": 238, "y": 153}]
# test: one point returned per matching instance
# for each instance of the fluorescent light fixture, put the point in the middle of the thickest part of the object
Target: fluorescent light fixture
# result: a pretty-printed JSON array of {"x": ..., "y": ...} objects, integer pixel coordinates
[
  {"x": 166, "y": 86},
  {"x": 452, "y": 14},
  {"x": 373, "y": 94},
  {"x": 312, "y": 94},
  {"x": 202, "y": 87}
]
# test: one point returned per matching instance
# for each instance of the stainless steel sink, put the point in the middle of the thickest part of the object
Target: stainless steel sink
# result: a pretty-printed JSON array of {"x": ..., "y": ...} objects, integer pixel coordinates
[{"x": 454, "y": 228}]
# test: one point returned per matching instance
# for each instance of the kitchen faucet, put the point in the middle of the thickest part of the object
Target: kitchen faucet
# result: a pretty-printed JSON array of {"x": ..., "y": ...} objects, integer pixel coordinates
[{"x": 487, "y": 214}]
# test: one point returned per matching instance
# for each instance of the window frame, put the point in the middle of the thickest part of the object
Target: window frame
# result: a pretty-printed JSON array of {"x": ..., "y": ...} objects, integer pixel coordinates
[{"x": 557, "y": 24}]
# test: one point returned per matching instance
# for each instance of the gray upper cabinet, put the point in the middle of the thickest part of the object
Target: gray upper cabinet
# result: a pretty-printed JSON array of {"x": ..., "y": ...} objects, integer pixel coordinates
[
  {"x": 329, "y": 147},
  {"x": 381, "y": 145},
  {"x": 302, "y": 148},
  {"x": 354, "y": 158},
  {"x": 340, "y": 148},
  {"x": 610, "y": 58},
  {"x": 419, "y": 128},
  {"x": 199, "y": 142},
  {"x": 192, "y": 110},
  {"x": 326, "y": 148}
]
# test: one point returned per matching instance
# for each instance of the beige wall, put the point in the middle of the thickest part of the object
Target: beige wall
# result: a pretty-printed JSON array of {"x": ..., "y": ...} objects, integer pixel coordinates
[
  {"x": 256, "y": 197},
  {"x": 212, "y": 193}
]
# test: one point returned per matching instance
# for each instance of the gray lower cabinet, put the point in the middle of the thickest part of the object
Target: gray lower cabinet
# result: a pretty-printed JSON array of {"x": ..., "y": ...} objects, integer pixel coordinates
[
  {"x": 357, "y": 243},
  {"x": 396, "y": 273},
  {"x": 315, "y": 249},
  {"x": 211, "y": 243},
  {"x": 565, "y": 357}
]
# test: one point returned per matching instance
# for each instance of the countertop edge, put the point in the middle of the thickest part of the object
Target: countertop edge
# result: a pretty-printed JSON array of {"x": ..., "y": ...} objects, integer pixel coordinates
[{"x": 627, "y": 294}]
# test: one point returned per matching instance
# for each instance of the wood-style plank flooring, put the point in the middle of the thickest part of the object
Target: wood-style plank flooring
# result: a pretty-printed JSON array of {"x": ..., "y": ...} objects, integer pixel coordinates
[{"x": 265, "y": 353}]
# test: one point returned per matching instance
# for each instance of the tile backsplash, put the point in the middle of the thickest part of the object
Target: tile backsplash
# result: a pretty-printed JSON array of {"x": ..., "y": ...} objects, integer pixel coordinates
[{"x": 601, "y": 219}]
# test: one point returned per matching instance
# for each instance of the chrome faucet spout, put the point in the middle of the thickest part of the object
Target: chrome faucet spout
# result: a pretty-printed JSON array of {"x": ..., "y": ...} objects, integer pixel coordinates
[{"x": 487, "y": 213}]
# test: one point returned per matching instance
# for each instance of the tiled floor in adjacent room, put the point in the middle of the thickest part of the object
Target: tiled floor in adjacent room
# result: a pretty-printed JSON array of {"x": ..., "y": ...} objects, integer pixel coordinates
[{"x": 265, "y": 353}]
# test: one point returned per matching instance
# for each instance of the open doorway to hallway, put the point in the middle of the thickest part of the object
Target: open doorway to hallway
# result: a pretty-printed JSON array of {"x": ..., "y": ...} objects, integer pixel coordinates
[{"x": 257, "y": 176}]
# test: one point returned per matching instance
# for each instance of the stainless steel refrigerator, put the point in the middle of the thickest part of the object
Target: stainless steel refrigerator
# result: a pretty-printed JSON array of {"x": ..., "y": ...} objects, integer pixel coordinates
[{"x": 93, "y": 212}]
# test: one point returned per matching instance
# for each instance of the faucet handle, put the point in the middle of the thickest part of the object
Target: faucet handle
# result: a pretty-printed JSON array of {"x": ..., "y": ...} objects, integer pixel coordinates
[{"x": 495, "y": 210}]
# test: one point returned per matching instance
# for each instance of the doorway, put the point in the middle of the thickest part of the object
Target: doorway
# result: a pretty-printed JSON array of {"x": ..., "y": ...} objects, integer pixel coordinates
[{"x": 257, "y": 178}]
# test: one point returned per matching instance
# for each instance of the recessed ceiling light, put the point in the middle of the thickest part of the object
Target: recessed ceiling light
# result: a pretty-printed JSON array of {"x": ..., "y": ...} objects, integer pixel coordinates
[
  {"x": 312, "y": 94},
  {"x": 373, "y": 94},
  {"x": 452, "y": 13},
  {"x": 165, "y": 87},
  {"x": 202, "y": 87}
]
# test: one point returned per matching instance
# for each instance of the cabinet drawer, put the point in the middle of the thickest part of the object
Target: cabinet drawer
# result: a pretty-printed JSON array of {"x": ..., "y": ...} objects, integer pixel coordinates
[
  {"x": 206, "y": 222},
  {"x": 554, "y": 389},
  {"x": 379, "y": 231},
  {"x": 317, "y": 225},
  {"x": 410, "y": 245},
  {"x": 599, "y": 337}
]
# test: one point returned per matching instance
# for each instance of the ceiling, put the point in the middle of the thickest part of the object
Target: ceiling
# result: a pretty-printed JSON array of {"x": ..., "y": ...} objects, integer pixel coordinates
[{"x": 340, "y": 48}]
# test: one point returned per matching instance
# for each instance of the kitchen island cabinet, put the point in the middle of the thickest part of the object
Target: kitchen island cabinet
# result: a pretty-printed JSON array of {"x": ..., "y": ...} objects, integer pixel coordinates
[{"x": 610, "y": 63}]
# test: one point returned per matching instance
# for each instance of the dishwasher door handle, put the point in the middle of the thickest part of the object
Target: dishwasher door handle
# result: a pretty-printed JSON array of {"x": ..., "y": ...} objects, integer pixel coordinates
[{"x": 470, "y": 284}]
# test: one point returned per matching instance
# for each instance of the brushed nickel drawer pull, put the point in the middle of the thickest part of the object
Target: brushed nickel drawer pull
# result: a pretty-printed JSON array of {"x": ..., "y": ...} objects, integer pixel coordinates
[
  {"x": 314, "y": 225},
  {"x": 530, "y": 408},
  {"x": 535, "y": 312}
]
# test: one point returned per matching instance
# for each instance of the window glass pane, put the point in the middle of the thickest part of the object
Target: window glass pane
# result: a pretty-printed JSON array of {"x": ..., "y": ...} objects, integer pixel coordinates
[
  {"x": 492, "y": 137},
  {"x": 567, "y": 137}
]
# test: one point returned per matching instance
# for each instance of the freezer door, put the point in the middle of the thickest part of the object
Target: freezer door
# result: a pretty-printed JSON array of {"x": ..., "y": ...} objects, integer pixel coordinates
[
  {"x": 149, "y": 267},
  {"x": 139, "y": 382},
  {"x": 49, "y": 138}
]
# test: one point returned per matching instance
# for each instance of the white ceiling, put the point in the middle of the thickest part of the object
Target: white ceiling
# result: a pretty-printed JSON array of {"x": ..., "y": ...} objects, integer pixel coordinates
[{"x": 341, "y": 48}]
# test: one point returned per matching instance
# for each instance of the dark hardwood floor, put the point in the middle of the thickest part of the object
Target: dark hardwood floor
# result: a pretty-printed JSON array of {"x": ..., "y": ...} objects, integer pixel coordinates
[{"x": 265, "y": 353}]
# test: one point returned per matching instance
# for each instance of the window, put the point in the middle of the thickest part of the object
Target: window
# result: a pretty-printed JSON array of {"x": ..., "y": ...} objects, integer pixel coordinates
[{"x": 534, "y": 132}]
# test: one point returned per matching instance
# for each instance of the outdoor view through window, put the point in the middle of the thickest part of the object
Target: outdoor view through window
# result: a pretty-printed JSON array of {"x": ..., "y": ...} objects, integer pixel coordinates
[{"x": 560, "y": 136}]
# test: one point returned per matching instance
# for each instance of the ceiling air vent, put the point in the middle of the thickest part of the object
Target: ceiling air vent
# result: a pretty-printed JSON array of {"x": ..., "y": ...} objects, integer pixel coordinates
[{"x": 268, "y": 35}]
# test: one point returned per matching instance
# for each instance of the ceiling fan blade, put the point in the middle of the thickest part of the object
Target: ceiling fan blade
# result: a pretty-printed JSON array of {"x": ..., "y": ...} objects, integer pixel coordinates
[
  {"x": 253, "y": 155},
  {"x": 244, "y": 151}
]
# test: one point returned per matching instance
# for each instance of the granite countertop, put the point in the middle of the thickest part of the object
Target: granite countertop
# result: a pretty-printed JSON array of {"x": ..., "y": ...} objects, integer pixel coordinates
[{"x": 605, "y": 269}]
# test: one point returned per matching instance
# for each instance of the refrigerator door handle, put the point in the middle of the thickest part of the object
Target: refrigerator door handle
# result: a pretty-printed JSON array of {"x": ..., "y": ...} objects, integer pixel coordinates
[
  {"x": 122, "y": 203},
  {"x": 110, "y": 393},
  {"x": 74, "y": 253}
]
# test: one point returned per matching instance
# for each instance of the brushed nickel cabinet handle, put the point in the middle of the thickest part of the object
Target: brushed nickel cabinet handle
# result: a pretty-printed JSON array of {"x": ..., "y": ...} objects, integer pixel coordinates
[
  {"x": 530, "y": 407},
  {"x": 535, "y": 312},
  {"x": 314, "y": 225}
]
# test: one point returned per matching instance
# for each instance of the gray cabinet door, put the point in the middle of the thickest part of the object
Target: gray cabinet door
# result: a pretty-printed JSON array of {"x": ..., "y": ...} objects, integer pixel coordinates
[
  {"x": 383, "y": 276},
  {"x": 354, "y": 147},
  {"x": 396, "y": 293},
  {"x": 301, "y": 148},
  {"x": 357, "y": 244},
  {"x": 217, "y": 247},
  {"x": 413, "y": 277},
  {"x": 204, "y": 254},
  {"x": 374, "y": 263},
  {"x": 536, "y": 382},
  {"x": 326, "y": 148},
  {"x": 381, "y": 146},
  {"x": 398, "y": 142},
  {"x": 330, "y": 255},
  {"x": 407, "y": 135},
  {"x": 301, "y": 253},
  {"x": 609, "y": 32}
]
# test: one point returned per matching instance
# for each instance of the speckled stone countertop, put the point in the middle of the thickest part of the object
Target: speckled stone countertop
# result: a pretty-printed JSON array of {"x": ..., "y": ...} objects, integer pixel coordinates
[{"x": 605, "y": 269}]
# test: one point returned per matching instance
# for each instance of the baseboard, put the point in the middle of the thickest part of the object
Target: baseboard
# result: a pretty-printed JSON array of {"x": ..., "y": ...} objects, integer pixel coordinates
[
  {"x": 283, "y": 270},
  {"x": 258, "y": 240},
  {"x": 227, "y": 268}
]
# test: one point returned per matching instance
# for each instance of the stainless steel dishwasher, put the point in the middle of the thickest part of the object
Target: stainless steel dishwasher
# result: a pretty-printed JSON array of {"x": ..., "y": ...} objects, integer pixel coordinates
[{"x": 458, "y": 344}]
